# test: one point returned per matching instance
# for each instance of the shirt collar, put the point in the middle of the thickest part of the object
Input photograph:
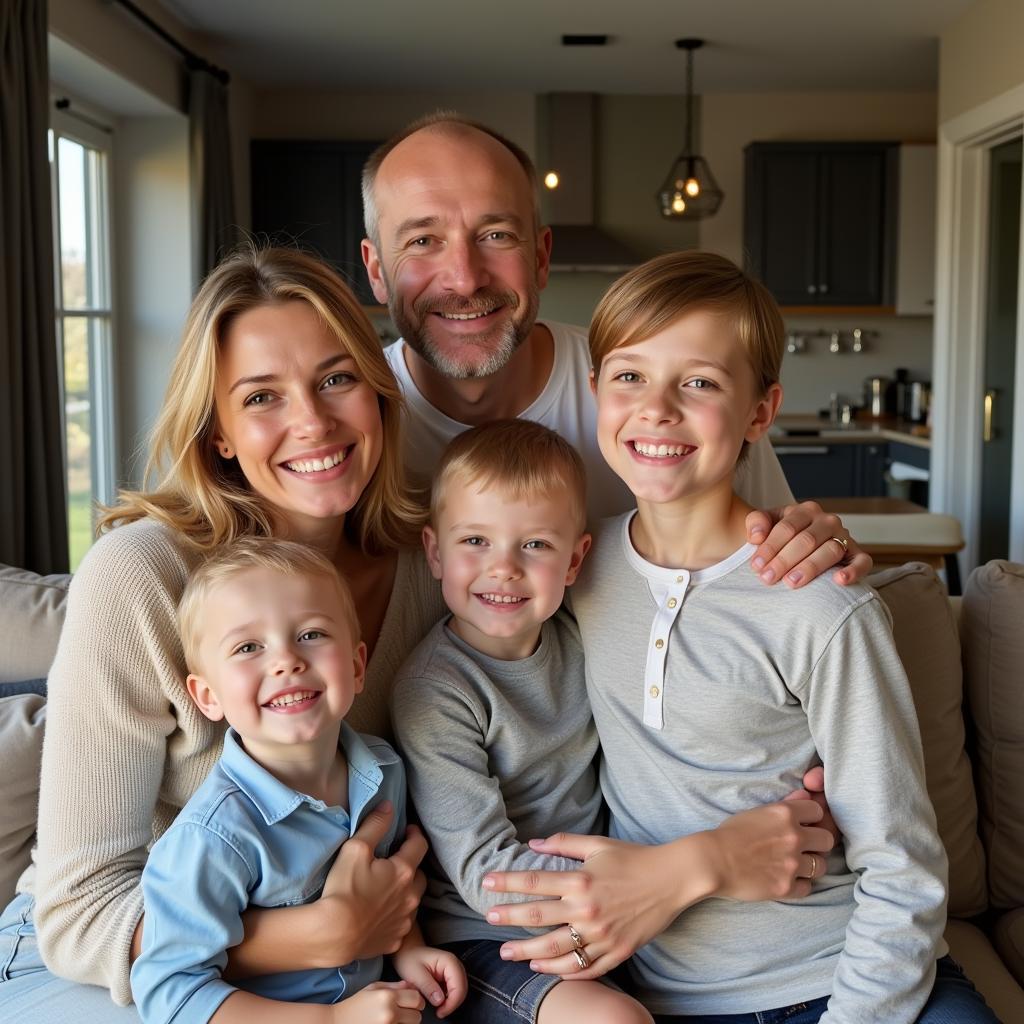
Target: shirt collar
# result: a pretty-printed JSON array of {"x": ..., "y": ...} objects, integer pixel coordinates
[{"x": 275, "y": 800}]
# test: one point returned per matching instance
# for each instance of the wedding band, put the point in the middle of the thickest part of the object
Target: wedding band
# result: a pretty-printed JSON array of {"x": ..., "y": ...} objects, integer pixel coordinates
[
  {"x": 581, "y": 959},
  {"x": 577, "y": 939},
  {"x": 814, "y": 865},
  {"x": 845, "y": 544}
]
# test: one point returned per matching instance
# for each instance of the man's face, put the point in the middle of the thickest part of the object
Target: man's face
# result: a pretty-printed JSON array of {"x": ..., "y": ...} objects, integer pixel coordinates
[{"x": 459, "y": 261}]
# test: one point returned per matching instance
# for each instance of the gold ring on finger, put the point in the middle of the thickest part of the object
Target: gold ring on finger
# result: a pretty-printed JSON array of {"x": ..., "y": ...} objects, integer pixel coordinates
[
  {"x": 577, "y": 939},
  {"x": 814, "y": 865},
  {"x": 845, "y": 545},
  {"x": 581, "y": 959}
]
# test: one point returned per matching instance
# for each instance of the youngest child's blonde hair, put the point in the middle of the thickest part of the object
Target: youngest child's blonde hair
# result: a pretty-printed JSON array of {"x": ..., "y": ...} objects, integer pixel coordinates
[
  {"x": 522, "y": 458},
  {"x": 284, "y": 556},
  {"x": 656, "y": 294}
]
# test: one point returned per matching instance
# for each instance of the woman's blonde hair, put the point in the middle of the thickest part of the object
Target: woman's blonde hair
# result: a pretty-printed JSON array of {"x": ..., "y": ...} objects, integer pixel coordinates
[
  {"x": 207, "y": 499},
  {"x": 656, "y": 294}
]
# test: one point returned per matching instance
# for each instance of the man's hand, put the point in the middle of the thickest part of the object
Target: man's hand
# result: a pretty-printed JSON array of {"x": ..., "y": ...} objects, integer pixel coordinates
[{"x": 803, "y": 543}]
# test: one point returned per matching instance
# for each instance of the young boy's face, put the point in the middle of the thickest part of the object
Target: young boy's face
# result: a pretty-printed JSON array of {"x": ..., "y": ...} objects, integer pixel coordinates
[
  {"x": 276, "y": 657},
  {"x": 503, "y": 563},
  {"x": 675, "y": 408}
]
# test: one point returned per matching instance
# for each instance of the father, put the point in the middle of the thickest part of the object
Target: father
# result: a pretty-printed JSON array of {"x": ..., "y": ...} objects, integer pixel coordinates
[{"x": 456, "y": 250}]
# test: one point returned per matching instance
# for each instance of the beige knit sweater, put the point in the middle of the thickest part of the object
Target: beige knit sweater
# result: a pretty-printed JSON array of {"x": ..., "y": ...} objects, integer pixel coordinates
[{"x": 125, "y": 747}]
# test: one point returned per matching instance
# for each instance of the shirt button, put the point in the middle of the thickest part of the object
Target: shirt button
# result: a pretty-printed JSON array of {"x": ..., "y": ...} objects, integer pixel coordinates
[
  {"x": 679, "y": 579},
  {"x": 672, "y": 602},
  {"x": 655, "y": 691},
  {"x": 659, "y": 644}
]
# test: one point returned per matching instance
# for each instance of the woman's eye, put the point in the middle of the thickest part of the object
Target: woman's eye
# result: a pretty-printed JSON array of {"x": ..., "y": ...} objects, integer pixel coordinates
[
  {"x": 259, "y": 398},
  {"x": 312, "y": 634},
  {"x": 338, "y": 378}
]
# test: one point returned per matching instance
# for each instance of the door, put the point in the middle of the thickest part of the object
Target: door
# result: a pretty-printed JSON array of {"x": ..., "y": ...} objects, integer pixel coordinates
[{"x": 1000, "y": 348}]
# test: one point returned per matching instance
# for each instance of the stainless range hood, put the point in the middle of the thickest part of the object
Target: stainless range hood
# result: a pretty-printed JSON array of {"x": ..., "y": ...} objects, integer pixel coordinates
[{"x": 567, "y": 145}]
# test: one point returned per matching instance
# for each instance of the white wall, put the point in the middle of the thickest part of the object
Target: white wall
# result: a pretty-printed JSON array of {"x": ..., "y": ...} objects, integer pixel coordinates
[{"x": 152, "y": 271}]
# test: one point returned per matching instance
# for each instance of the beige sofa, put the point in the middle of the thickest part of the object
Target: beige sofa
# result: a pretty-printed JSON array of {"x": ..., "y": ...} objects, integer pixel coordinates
[{"x": 974, "y": 757}]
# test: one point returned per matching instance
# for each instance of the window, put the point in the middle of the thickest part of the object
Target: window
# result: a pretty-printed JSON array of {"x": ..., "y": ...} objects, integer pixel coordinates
[{"x": 79, "y": 163}]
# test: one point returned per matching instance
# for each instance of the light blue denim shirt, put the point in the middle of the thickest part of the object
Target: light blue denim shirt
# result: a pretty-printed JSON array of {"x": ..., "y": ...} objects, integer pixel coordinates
[{"x": 246, "y": 839}]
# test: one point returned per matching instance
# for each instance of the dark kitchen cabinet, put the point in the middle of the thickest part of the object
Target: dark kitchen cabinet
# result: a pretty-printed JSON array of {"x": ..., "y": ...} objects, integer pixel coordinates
[
  {"x": 309, "y": 192},
  {"x": 820, "y": 221},
  {"x": 817, "y": 470}
]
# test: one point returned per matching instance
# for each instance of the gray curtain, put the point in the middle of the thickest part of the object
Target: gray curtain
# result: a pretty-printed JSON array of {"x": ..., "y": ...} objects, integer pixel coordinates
[
  {"x": 33, "y": 514},
  {"x": 214, "y": 225}
]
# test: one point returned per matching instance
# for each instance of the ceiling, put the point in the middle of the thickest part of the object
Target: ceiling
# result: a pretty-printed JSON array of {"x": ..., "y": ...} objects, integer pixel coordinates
[{"x": 785, "y": 45}]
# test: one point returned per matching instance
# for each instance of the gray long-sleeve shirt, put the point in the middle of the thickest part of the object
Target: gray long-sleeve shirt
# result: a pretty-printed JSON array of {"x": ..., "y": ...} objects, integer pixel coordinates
[
  {"x": 497, "y": 753},
  {"x": 712, "y": 694}
]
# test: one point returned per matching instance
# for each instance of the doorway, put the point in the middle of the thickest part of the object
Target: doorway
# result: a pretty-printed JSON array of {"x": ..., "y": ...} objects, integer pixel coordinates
[{"x": 1003, "y": 275}]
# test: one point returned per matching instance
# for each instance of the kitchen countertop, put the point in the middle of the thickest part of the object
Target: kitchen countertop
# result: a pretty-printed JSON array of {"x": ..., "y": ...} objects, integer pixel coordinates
[{"x": 802, "y": 428}]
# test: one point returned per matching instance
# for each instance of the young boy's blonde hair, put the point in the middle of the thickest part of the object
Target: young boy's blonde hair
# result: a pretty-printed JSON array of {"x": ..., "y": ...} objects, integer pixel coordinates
[
  {"x": 519, "y": 457},
  {"x": 656, "y": 294},
  {"x": 284, "y": 556}
]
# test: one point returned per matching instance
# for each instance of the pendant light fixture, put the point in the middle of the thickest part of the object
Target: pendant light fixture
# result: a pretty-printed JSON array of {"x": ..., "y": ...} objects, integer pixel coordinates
[{"x": 690, "y": 191}]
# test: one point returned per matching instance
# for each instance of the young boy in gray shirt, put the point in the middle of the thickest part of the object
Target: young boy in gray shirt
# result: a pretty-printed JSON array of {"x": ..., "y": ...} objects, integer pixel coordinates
[{"x": 491, "y": 711}]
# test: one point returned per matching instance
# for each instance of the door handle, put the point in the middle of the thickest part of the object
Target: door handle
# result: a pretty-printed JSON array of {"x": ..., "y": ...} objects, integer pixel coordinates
[{"x": 987, "y": 433}]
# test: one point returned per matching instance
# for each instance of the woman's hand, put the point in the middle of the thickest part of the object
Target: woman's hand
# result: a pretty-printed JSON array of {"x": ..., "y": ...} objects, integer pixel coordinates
[
  {"x": 625, "y": 894},
  {"x": 369, "y": 903},
  {"x": 802, "y": 544}
]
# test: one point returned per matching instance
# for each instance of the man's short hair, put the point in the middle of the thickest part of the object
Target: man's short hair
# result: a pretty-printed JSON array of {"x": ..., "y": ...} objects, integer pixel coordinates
[
  {"x": 656, "y": 294},
  {"x": 439, "y": 120},
  {"x": 521, "y": 458},
  {"x": 284, "y": 556}
]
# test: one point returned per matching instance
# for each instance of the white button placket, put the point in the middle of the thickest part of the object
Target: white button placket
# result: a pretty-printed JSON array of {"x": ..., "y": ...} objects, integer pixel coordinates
[{"x": 670, "y": 601}]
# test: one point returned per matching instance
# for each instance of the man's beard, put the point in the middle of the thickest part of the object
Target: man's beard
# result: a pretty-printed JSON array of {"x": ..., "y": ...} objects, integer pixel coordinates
[{"x": 493, "y": 348}]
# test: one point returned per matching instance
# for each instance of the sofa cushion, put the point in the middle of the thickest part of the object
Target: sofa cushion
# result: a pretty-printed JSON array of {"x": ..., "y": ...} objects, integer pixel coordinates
[
  {"x": 1009, "y": 940},
  {"x": 21, "y": 746},
  {"x": 926, "y": 638},
  {"x": 992, "y": 624},
  {"x": 32, "y": 615},
  {"x": 972, "y": 949}
]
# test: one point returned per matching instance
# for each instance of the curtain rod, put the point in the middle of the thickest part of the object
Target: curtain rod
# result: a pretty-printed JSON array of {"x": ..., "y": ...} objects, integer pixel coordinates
[{"x": 192, "y": 59}]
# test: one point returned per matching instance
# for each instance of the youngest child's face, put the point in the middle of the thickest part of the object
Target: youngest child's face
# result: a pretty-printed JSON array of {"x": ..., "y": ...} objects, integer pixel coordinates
[
  {"x": 504, "y": 564},
  {"x": 276, "y": 657}
]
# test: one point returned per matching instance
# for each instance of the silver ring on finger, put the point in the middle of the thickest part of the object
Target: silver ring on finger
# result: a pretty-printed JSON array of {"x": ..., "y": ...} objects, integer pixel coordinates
[
  {"x": 581, "y": 959},
  {"x": 577, "y": 939}
]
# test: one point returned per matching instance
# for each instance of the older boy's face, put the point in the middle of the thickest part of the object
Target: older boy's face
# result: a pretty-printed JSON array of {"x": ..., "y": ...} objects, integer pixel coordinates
[
  {"x": 675, "y": 409},
  {"x": 276, "y": 658},
  {"x": 504, "y": 564}
]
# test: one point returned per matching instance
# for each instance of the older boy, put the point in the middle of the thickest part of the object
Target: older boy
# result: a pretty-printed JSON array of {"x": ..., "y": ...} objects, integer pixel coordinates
[{"x": 272, "y": 638}]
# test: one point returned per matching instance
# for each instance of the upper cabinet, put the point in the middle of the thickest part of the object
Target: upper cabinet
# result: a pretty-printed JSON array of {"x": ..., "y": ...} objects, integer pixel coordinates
[
  {"x": 309, "y": 192},
  {"x": 915, "y": 260},
  {"x": 820, "y": 222}
]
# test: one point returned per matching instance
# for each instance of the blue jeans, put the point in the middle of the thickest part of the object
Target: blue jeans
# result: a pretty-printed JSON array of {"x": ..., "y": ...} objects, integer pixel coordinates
[
  {"x": 31, "y": 994},
  {"x": 954, "y": 1000}
]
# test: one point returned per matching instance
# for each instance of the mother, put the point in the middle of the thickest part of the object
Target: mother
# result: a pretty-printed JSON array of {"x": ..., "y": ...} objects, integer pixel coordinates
[{"x": 281, "y": 417}]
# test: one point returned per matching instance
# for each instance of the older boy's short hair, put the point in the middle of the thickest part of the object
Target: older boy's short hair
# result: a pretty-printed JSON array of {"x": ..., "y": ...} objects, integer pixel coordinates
[
  {"x": 283, "y": 556},
  {"x": 654, "y": 295},
  {"x": 522, "y": 458}
]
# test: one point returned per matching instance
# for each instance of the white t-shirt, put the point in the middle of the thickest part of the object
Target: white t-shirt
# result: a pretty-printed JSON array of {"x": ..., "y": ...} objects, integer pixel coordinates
[{"x": 566, "y": 405}]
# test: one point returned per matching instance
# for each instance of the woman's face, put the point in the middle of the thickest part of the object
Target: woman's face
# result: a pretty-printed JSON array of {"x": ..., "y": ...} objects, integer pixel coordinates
[{"x": 294, "y": 410}]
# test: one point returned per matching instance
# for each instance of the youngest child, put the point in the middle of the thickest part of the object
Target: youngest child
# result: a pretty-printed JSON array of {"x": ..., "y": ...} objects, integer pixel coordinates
[
  {"x": 491, "y": 709},
  {"x": 272, "y": 641}
]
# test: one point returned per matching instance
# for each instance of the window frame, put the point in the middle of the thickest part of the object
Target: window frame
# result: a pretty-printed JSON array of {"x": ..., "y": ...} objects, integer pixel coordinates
[{"x": 90, "y": 133}]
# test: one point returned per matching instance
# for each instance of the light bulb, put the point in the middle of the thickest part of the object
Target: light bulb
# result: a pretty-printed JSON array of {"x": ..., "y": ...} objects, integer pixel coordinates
[
  {"x": 692, "y": 187},
  {"x": 678, "y": 203},
  {"x": 680, "y": 184},
  {"x": 551, "y": 179}
]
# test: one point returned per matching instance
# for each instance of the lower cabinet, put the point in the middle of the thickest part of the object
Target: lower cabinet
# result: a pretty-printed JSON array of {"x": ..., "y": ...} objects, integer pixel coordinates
[{"x": 818, "y": 469}]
